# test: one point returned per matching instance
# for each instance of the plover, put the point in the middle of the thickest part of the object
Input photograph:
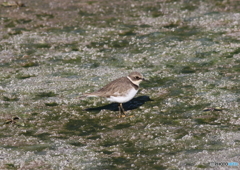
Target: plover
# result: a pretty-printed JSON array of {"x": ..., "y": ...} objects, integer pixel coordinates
[{"x": 120, "y": 90}]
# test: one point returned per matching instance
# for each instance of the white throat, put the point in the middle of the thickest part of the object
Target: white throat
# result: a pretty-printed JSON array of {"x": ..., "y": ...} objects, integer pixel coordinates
[{"x": 134, "y": 82}]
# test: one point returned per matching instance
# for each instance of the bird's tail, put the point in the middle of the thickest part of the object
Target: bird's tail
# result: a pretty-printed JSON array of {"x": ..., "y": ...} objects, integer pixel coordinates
[{"x": 88, "y": 95}]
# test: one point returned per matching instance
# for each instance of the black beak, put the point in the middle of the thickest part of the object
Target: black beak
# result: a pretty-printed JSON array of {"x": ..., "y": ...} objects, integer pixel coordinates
[{"x": 145, "y": 80}]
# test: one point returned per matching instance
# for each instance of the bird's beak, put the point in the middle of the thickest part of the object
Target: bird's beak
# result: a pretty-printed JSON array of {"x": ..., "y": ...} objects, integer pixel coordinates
[{"x": 145, "y": 79}]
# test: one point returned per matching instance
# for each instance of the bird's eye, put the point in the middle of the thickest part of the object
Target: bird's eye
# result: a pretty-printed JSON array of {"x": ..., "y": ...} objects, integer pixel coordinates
[{"x": 138, "y": 78}]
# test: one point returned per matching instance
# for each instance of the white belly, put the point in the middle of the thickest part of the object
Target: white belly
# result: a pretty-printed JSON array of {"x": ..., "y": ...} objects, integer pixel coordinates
[{"x": 123, "y": 99}]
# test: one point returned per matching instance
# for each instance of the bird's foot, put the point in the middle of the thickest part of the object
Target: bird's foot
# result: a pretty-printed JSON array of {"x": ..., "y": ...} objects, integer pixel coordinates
[{"x": 124, "y": 115}]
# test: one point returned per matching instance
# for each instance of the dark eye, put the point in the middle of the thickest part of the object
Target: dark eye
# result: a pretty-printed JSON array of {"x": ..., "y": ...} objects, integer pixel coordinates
[{"x": 138, "y": 78}]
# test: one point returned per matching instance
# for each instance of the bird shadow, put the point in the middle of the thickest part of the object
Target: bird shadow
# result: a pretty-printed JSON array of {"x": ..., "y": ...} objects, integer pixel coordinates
[{"x": 130, "y": 105}]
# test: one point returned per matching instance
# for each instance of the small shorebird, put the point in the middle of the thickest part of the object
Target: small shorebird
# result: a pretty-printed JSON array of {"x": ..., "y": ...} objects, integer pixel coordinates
[{"x": 120, "y": 90}]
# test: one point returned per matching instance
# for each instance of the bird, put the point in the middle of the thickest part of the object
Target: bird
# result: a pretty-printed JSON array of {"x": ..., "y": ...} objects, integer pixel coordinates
[{"x": 120, "y": 90}]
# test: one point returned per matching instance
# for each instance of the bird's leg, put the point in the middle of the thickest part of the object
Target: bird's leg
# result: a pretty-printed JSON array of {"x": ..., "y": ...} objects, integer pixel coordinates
[
  {"x": 119, "y": 110},
  {"x": 122, "y": 110}
]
